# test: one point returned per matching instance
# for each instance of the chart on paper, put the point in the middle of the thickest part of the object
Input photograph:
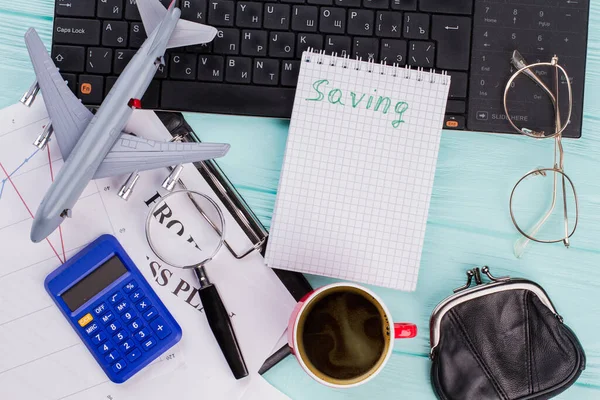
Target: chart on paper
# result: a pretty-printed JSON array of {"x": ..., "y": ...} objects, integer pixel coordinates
[{"x": 35, "y": 339}]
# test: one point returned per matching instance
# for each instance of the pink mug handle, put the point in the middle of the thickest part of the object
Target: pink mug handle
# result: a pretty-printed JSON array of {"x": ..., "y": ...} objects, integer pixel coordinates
[{"x": 404, "y": 330}]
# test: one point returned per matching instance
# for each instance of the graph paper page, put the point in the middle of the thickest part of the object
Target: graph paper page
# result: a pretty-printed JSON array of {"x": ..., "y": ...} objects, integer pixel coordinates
[{"x": 358, "y": 172}]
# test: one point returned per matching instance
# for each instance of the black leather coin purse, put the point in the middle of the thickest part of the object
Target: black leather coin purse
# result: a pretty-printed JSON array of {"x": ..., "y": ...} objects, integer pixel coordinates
[{"x": 501, "y": 340}]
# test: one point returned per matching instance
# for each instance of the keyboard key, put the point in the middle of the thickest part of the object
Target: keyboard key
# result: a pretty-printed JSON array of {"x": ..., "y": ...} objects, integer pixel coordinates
[
  {"x": 105, "y": 348},
  {"x": 289, "y": 72},
  {"x": 194, "y": 10},
  {"x": 238, "y": 69},
  {"x": 122, "y": 306},
  {"x": 456, "y": 107},
  {"x": 227, "y": 41},
  {"x": 249, "y": 15},
  {"x": 134, "y": 354},
  {"x": 69, "y": 58},
  {"x": 128, "y": 316},
  {"x": 254, "y": 42},
  {"x": 382, "y": 4},
  {"x": 148, "y": 344},
  {"x": 111, "y": 9},
  {"x": 453, "y": 36},
  {"x": 130, "y": 286},
  {"x": 109, "y": 83},
  {"x": 458, "y": 84},
  {"x": 152, "y": 313},
  {"x": 281, "y": 44},
  {"x": 254, "y": 100},
  {"x": 393, "y": 52},
  {"x": 127, "y": 346},
  {"x": 91, "y": 329},
  {"x": 320, "y": 2},
  {"x": 120, "y": 336},
  {"x": 162, "y": 70},
  {"x": 100, "y": 309},
  {"x": 113, "y": 327},
  {"x": 389, "y": 24},
  {"x": 360, "y": 22},
  {"x": 122, "y": 58},
  {"x": 347, "y": 3},
  {"x": 409, "y": 5},
  {"x": 75, "y": 8},
  {"x": 365, "y": 48},
  {"x": 86, "y": 319},
  {"x": 266, "y": 72},
  {"x": 131, "y": 11},
  {"x": 333, "y": 20},
  {"x": 210, "y": 68},
  {"x": 142, "y": 334},
  {"x": 340, "y": 45},
  {"x": 151, "y": 97},
  {"x": 137, "y": 35},
  {"x": 145, "y": 303},
  {"x": 277, "y": 16},
  {"x": 137, "y": 295},
  {"x": 119, "y": 366},
  {"x": 99, "y": 337},
  {"x": 304, "y": 18},
  {"x": 160, "y": 327},
  {"x": 454, "y": 122},
  {"x": 421, "y": 54},
  {"x": 90, "y": 89},
  {"x": 136, "y": 325},
  {"x": 112, "y": 356},
  {"x": 115, "y": 298},
  {"x": 99, "y": 60},
  {"x": 306, "y": 40},
  {"x": 71, "y": 80},
  {"x": 416, "y": 26},
  {"x": 447, "y": 7},
  {"x": 221, "y": 12},
  {"x": 76, "y": 31},
  {"x": 108, "y": 317},
  {"x": 293, "y": 1},
  {"x": 114, "y": 33}
]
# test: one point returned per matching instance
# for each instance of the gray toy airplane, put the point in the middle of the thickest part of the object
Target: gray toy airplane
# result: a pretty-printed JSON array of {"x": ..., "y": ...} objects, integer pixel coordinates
[{"x": 95, "y": 146}]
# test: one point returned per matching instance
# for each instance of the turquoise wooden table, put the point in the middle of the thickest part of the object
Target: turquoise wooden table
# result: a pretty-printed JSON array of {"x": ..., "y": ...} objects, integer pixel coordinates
[{"x": 468, "y": 222}]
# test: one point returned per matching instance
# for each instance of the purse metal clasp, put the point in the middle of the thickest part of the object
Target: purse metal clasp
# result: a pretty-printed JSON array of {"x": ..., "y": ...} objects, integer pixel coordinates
[{"x": 476, "y": 273}]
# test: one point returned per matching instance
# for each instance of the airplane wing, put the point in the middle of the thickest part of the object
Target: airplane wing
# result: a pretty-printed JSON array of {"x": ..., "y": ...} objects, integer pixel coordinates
[
  {"x": 188, "y": 33},
  {"x": 132, "y": 153},
  {"x": 69, "y": 117}
]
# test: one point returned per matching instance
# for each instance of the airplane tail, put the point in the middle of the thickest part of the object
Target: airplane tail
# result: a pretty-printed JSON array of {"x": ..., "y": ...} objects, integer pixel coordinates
[{"x": 186, "y": 33}]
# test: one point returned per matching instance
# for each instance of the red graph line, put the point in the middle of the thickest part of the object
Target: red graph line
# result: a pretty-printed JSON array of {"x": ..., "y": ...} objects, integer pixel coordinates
[
  {"x": 26, "y": 206},
  {"x": 62, "y": 242}
]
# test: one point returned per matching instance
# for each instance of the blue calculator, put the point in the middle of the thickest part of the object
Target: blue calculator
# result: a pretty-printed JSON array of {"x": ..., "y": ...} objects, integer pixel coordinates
[{"x": 113, "y": 309}]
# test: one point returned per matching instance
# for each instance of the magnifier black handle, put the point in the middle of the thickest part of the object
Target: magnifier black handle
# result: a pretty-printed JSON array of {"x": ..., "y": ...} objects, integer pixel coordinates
[{"x": 220, "y": 324}]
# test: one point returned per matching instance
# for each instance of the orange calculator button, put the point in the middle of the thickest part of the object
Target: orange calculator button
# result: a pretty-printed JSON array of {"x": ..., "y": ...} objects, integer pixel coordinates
[
  {"x": 451, "y": 123},
  {"x": 86, "y": 319}
]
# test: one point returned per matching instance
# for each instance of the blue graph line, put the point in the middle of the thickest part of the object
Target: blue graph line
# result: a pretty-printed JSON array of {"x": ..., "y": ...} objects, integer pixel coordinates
[{"x": 15, "y": 171}]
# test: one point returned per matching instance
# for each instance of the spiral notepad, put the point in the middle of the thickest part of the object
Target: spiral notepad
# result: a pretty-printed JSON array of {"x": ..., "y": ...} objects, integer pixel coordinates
[{"x": 358, "y": 171}]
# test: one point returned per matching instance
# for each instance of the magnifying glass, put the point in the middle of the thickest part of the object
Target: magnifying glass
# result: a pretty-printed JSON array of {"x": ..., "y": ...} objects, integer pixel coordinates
[{"x": 186, "y": 229}]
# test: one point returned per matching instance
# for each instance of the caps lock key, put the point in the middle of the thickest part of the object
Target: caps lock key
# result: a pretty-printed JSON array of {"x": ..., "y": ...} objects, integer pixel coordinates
[{"x": 76, "y": 31}]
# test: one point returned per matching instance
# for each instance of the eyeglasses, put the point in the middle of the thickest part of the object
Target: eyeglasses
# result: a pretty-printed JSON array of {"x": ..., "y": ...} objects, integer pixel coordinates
[{"x": 552, "y": 186}]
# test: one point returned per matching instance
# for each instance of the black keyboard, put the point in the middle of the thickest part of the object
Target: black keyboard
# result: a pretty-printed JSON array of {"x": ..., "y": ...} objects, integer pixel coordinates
[{"x": 251, "y": 67}]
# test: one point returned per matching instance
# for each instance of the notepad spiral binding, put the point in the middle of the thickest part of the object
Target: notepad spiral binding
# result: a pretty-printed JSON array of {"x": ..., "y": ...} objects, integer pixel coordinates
[{"x": 406, "y": 72}]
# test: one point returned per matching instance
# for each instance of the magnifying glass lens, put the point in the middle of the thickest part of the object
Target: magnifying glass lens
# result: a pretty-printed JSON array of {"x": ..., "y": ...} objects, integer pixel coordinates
[{"x": 185, "y": 229}]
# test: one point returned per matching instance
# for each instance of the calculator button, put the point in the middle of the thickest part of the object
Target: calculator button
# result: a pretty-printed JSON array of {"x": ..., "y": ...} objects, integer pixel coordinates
[
  {"x": 91, "y": 329},
  {"x": 144, "y": 305},
  {"x": 119, "y": 366},
  {"x": 113, "y": 327},
  {"x": 112, "y": 356},
  {"x": 142, "y": 335},
  {"x": 100, "y": 309},
  {"x": 134, "y": 355},
  {"x": 86, "y": 319},
  {"x": 150, "y": 314},
  {"x": 122, "y": 306},
  {"x": 160, "y": 328},
  {"x": 115, "y": 297},
  {"x": 136, "y": 325},
  {"x": 128, "y": 316},
  {"x": 106, "y": 318},
  {"x": 148, "y": 344},
  {"x": 105, "y": 348},
  {"x": 127, "y": 346},
  {"x": 129, "y": 287},
  {"x": 99, "y": 337},
  {"x": 119, "y": 337},
  {"x": 137, "y": 295}
]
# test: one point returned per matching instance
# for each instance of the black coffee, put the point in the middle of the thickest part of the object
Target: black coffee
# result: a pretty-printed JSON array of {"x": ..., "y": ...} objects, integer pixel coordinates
[{"x": 343, "y": 335}]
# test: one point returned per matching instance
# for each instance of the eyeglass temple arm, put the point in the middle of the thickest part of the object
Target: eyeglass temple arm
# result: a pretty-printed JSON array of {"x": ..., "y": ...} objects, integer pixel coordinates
[{"x": 518, "y": 61}]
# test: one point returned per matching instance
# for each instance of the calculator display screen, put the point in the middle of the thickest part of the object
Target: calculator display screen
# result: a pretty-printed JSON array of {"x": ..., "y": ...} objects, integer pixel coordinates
[{"x": 94, "y": 283}]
